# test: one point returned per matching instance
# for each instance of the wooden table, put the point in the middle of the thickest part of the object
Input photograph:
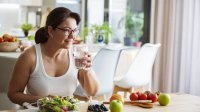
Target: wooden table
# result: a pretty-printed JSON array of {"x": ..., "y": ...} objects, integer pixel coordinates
[{"x": 179, "y": 103}]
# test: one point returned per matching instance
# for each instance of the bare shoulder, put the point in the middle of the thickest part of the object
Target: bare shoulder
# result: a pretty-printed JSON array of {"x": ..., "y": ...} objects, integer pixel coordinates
[
  {"x": 28, "y": 54},
  {"x": 27, "y": 58}
]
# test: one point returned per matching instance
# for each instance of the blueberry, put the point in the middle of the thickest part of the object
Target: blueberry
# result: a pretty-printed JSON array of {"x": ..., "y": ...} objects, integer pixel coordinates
[
  {"x": 91, "y": 108},
  {"x": 104, "y": 107}
]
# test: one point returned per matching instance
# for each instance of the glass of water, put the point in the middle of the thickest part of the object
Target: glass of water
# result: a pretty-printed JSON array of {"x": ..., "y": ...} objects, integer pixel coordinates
[{"x": 79, "y": 53}]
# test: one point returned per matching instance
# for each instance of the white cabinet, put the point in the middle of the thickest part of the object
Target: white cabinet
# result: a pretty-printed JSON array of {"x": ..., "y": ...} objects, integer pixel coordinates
[
  {"x": 23, "y": 2},
  {"x": 95, "y": 12},
  {"x": 10, "y": 1},
  {"x": 31, "y": 2}
]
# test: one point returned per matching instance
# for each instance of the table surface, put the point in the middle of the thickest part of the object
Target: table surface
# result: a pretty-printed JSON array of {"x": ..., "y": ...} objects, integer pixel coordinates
[
  {"x": 13, "y": 55},
  {"x": 179, "y": 103}
]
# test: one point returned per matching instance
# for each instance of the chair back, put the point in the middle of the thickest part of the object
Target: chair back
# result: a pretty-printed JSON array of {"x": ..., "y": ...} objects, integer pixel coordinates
[
  {"x": 104, "y": 65},
  {"x": 139, "y": 72}
]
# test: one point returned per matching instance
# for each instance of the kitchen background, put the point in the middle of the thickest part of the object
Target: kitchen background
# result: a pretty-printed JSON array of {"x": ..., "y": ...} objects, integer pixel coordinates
[
  {"x": 16, "y": 12},
  {"x": 174, "y": 24}
]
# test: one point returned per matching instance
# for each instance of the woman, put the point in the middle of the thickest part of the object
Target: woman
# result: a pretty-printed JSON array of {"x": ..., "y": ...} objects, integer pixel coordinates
[{"x": 47, "y": 68}]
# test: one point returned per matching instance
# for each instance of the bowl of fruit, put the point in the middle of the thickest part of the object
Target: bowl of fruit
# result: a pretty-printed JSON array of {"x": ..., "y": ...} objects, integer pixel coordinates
[
  {"x": 58, "y": 104},
  {"x": 96, "y": 106},
  {"x": 8, "y": 43}
]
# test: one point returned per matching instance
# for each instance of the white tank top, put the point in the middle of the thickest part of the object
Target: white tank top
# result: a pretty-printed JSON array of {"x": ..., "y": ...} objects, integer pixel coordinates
[{"x": 40, "y": 83}]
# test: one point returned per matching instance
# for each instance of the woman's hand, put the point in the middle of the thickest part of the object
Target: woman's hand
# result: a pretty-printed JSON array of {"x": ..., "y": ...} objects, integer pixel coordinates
[{"x": 88, "y": 60}]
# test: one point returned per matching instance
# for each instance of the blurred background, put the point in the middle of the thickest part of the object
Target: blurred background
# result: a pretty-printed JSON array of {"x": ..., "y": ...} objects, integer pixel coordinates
[
  {"x": 124, "y": 18},
  {"x": 172, "y": 23}
]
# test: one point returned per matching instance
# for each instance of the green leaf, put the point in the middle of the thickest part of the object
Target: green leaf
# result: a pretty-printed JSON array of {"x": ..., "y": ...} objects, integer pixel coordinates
[
  {"x": 31, "y": 37},
  {"x": 26, "y": 27}
]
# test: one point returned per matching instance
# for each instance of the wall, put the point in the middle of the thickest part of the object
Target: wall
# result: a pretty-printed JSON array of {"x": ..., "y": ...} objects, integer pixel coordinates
[
  {"x": 10, "y": 16},
  {"x": 15, "y": 12}
]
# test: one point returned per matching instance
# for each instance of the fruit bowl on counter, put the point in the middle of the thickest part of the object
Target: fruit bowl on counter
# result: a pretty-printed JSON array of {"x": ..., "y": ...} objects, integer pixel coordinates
[
  {"x": 9, "y": 46},
  {"x": 8, "y": 43}
]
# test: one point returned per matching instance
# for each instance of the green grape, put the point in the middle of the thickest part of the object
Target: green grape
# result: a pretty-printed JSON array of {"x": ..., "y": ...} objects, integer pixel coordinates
[
  {"x": 66, "y": 103},
  {"x": 74, "y": 107},
  {"x": 67, "y": 98},
  {"x": 56, "y": 109}
]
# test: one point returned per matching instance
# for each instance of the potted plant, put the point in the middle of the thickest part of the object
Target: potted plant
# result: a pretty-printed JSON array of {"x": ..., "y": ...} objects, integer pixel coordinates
[
  {"x": 26, "y": 27},
  {"x": 85, "y": 33},
  {"x": 100, "y": 32},
  {"x": 106, "y": 31},
  {"x": 133, "y": 23}
]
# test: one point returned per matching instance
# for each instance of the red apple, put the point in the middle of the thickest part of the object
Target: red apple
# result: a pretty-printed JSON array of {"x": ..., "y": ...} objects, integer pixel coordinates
[
  {"x": 116, "y": 106},
  {"x": 133, "y": 96}
]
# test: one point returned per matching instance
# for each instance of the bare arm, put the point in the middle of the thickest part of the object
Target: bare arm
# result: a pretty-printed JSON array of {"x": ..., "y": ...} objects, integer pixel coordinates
[
  {"x": 20, "y": 77},
  {"x": 89, "y": 82},
  {"x": 88, "y": 79}
]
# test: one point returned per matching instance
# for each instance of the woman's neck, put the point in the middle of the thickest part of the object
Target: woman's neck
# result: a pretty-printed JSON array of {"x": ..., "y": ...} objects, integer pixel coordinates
[{"x": 50, "y": 50}]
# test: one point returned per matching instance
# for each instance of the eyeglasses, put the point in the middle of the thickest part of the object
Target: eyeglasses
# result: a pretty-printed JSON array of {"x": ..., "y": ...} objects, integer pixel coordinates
[{"x": 67, "y": 32}]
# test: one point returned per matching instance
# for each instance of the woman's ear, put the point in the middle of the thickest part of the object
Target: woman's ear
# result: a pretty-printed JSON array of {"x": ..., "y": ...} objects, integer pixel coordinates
[{"x": 50, "y": 30}]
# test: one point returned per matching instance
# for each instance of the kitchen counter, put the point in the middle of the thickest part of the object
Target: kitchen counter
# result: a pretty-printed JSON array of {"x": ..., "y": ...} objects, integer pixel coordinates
[
  {"x": 13, "y": 55},
  {"x": 7, "y": 62}
]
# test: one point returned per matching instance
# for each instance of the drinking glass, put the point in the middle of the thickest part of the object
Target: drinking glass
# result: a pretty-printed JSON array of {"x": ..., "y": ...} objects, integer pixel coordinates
[{"x": 79, "y": 53}]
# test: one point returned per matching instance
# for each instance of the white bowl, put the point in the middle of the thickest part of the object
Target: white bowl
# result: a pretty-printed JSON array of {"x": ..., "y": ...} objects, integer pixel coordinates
[{"x": 9, "y": 46}]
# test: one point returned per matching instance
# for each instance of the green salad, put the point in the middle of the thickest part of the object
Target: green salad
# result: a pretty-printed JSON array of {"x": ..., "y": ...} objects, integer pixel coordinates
[{"x": 58, "y": 104}]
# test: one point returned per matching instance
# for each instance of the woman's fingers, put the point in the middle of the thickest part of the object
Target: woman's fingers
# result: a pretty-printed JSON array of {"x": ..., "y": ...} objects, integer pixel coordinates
[
  {"x": 88, "y": 60},
  {"x": 88, "y": 55}
]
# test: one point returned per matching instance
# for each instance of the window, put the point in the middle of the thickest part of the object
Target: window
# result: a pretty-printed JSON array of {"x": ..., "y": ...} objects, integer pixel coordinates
[
  {"x": 118, "y": 10},
  {"x": 115, "y": 12}
]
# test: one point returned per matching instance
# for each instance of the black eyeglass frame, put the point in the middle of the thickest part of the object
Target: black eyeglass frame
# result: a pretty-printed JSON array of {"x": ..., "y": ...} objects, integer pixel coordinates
[{"x": 75, "y": 31}]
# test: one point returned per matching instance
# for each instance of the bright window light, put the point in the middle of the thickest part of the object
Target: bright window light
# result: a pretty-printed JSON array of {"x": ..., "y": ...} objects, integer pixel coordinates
[
  {"x": 67, "y": 1},
  {"x": 9, "y": 6}
]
